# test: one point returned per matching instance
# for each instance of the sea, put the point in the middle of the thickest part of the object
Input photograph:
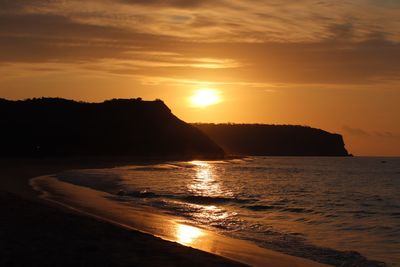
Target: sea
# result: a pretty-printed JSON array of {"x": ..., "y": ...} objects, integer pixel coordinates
[{"x": 342, "y": 211}]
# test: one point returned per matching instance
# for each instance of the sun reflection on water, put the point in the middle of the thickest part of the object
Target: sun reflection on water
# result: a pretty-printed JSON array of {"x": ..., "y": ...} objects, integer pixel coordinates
[
  {"x": 205, "y": 182},
  {"x": 187, "y": 235}
]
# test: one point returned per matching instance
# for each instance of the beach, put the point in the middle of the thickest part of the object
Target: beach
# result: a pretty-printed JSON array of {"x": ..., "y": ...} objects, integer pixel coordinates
[{"x": 38, "y": 232}]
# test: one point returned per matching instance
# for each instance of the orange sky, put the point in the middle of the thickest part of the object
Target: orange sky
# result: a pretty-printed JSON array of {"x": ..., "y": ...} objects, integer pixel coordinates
[{"x": 333, "y": 65}]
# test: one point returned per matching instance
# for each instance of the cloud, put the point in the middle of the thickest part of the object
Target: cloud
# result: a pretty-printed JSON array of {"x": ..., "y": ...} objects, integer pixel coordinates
[
  {"x": 355, "y": 131},
  {"x": 12, "y": 5},
  {"x": 363, "y": 133},
  {"x": 250, "y": 21},
  {"x": 41, "y": 38},
  {"x": 172, "y": 3},
  {"x": 263, "y": 42},
  {"x": 342, "y": 32},
  {"x": 389, "y": 135}
]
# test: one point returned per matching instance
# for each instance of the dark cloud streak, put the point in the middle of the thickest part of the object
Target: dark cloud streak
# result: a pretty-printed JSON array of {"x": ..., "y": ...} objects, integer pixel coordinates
[
  {"x": 363, "y": 133},
  {"x": 35, "y": 38},
  {"x": 355, "y": 131},
  {"x": 12, "y": 6},
  {"x": 173, "y": 3}
]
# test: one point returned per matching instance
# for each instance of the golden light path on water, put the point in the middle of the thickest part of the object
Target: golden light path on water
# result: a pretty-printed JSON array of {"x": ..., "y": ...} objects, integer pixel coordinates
[{"x": 205, "y": 183}]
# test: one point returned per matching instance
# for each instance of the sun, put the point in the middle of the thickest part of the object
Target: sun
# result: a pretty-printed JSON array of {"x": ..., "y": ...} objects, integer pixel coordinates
[{"x": 205, "y": 97}]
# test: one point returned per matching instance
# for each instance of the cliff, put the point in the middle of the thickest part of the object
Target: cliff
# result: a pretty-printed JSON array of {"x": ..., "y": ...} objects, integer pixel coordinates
[
  {"x": 274, "y": 140},
  {"x": 119, "y": 127}
]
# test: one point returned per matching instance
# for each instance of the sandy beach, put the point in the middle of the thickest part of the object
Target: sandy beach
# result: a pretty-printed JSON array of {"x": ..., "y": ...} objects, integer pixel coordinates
[{"x": 39, "y": 232}]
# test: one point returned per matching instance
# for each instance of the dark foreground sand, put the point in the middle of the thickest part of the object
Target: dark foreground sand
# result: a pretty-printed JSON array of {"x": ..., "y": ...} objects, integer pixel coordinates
[{"x": 34, "y": 233}]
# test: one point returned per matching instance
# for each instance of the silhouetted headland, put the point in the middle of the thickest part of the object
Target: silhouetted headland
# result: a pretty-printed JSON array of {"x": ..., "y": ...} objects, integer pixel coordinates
[
  {"x": 274, "y": 140},
  {"x": 48, "y": 127},
  {"x": 118, "y": 127}
]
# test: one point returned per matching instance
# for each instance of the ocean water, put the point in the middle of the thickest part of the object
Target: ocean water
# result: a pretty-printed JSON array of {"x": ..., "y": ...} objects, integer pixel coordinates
[{"x": 339, "y": 211}]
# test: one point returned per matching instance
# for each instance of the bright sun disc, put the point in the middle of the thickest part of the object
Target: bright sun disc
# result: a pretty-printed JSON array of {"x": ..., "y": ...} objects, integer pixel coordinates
[{"x": 205, "y": 97}]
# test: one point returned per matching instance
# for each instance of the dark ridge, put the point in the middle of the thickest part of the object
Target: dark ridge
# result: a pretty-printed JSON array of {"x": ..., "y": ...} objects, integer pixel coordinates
[
  {"x": 120, "y": 127},
  {"x": 274, "y": 140}
]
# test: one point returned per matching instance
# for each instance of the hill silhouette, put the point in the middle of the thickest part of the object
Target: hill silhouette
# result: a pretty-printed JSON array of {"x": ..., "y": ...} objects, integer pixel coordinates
[
  {"x": 118, "y": 127},
  {"x": 274, "y": 140}
]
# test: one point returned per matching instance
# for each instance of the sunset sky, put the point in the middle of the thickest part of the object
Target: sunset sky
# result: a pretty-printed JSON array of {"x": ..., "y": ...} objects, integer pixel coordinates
[{"x": 333, "y": 65}]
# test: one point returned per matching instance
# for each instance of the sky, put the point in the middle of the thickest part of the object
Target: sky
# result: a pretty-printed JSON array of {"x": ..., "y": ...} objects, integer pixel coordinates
[{"x": 333, "y": 65}]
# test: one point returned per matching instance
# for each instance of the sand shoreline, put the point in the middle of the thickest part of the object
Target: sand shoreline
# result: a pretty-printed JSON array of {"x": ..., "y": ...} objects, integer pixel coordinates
[{"x": 15, "y": 175}]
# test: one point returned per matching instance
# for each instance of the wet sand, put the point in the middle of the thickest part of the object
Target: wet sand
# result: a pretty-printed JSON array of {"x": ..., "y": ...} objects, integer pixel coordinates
[{"x": 49, "y": 235}]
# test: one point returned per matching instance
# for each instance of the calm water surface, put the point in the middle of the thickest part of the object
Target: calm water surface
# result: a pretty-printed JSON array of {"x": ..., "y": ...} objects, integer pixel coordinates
[{"x": 333, "y": 210}]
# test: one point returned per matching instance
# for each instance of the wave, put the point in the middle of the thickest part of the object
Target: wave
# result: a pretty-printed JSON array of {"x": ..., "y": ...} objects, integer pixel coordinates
[
  {"x": 214, "y": 200},
  {"x": 269, "y": 169},
  {"x": 159, "y": 167},
  {"x": 298, "y": 210},
  {"x": 195, "y": 199},
  {"x": 240, "y": 160},
  {"x": 170, "y": 166},
  {"x": 272, "y": 207},
  {"x": 259, "y": 207}
]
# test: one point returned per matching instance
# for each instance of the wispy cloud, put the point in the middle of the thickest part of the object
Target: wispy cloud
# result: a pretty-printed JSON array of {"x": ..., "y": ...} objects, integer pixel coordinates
[
  {"x": 355, "y": 131},
  {"x": 174, "y": 3},
  {"x": 363, "y": 133},
  {"x": 219, "y": 20},
  {"x": 303, "y": 42},
  {"x": 159, "y": 80}
]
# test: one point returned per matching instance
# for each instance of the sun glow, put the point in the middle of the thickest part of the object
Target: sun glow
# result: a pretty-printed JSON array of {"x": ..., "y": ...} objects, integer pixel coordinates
[{"x": 205, "y": 97}]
